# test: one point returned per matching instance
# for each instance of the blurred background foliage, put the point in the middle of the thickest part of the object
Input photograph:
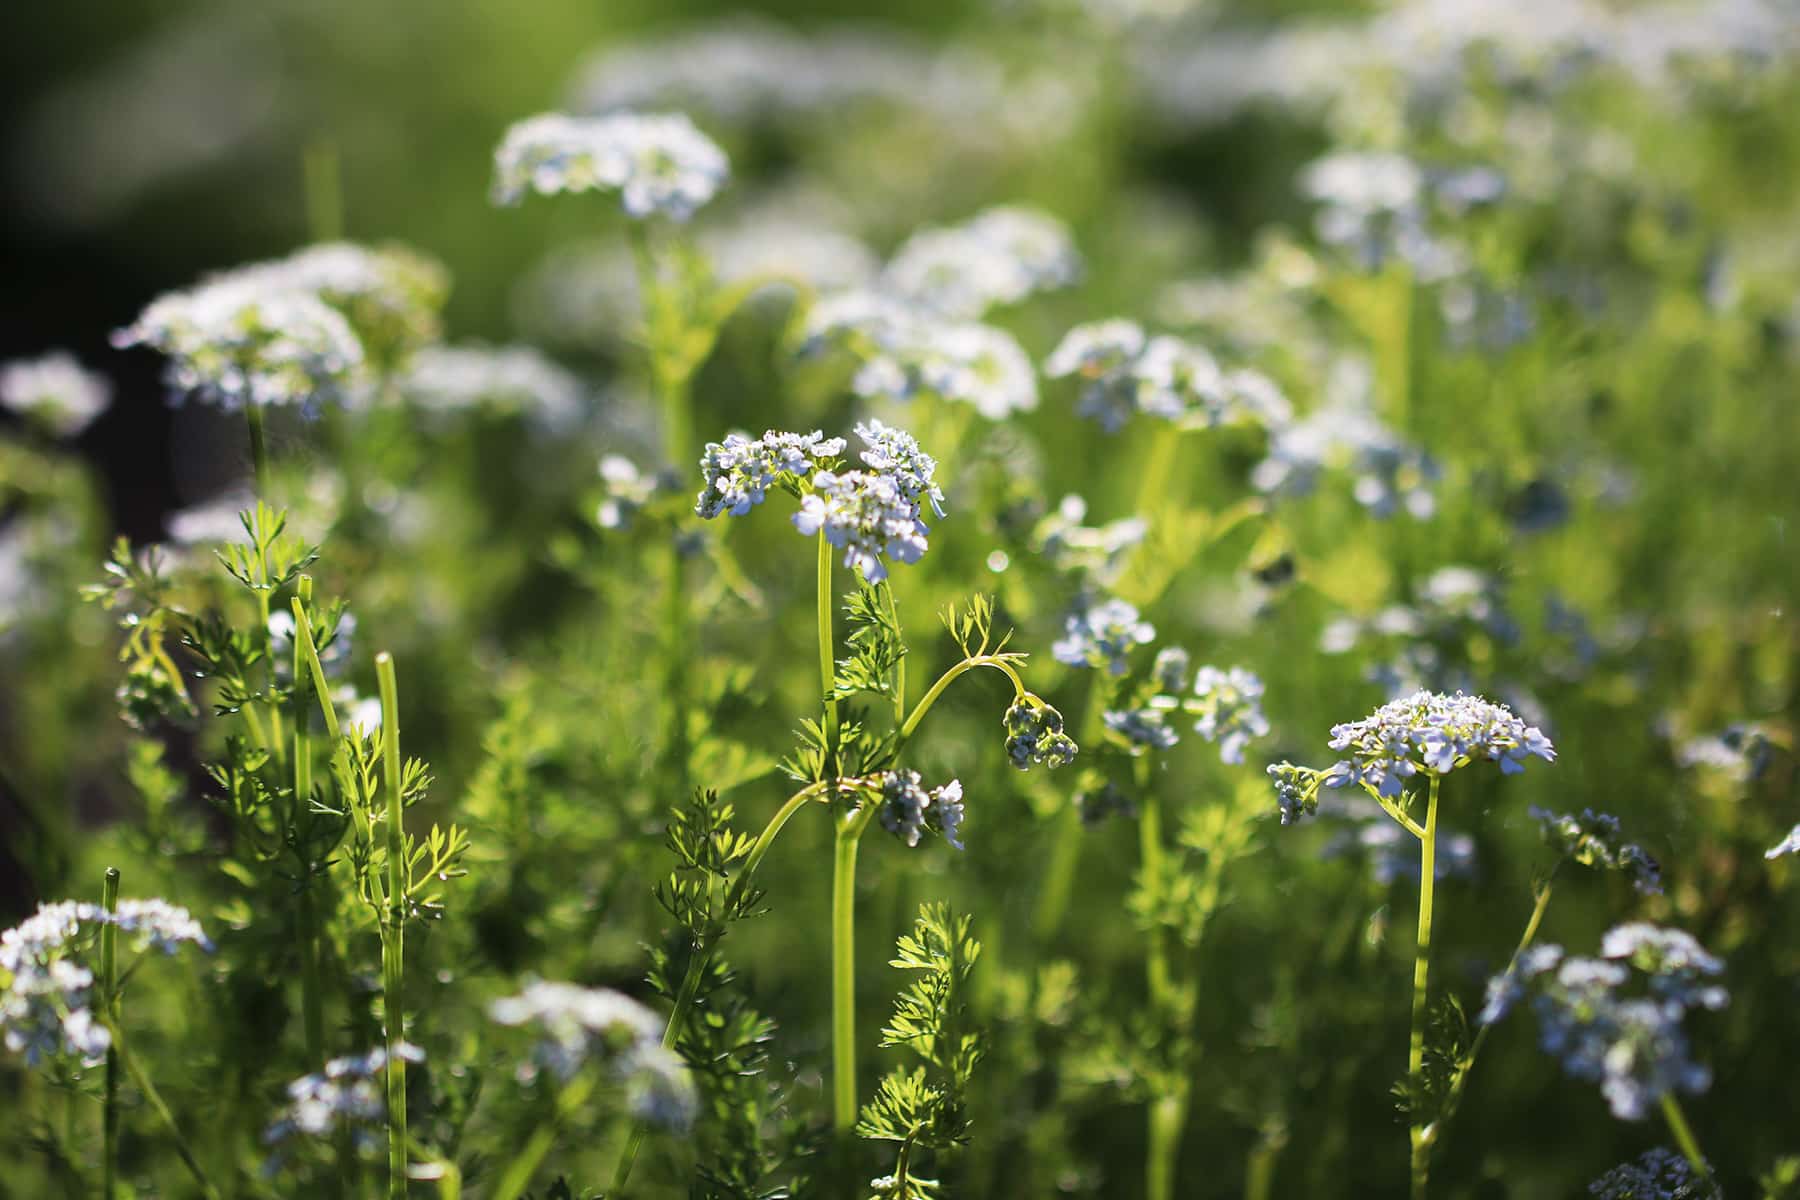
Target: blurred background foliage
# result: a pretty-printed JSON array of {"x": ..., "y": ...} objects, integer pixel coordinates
[{"x": 1620, "y": 474}]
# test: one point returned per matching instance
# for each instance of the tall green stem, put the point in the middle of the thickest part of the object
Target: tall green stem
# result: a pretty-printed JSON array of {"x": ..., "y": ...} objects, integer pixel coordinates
[
  {"x": 310, "y": 991},
  {"x": 393, "y": 975},
  {"x": 1684, "y": 1136},
  {"x": 154, "y": 1098},
  {"x": 109, "y": 996},
  {"x": 827, "y": 653},
  {"x": 259, "y": 451},
  {"x": 843, "y": 970},
  {"x": 1065, "y": 849},
  {"x": 1168, "y": 1113},
  {"x": 1420, "y": 1133}
]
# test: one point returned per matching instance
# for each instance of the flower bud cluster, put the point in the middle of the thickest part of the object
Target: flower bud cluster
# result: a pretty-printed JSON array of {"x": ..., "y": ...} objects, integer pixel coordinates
[
  {"x": 908, "y": 810},
  {"x": 1594, "y": 839},
  {"x": 1034, "y": 734},
  {"x": 347, "y": 1095}
]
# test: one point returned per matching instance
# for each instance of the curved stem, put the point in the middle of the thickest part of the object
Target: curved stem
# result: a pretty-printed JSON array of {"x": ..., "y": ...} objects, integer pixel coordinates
[
  {"x": 947, "y": 678},
  {"x": 125, "y": 1059},
  {"x": 1684, "y": 1136},
  {"x": 1421, "y": 1133},
  {"x": 1454, "y": 1097},
  {"x": 109, "y": 993},
  {"x": 393, "y": 943}
]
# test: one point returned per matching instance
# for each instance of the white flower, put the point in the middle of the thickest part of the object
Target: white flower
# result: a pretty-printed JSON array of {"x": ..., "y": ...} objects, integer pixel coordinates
[
  {"x": 867, "y": 515},
  {"x": 659, "y": 163},
  {"x": 56, "y": 391},
  {"x": 503, "y": 379},
  {"x": 247, "y": 340},
  {"x": 999, "y": 257}
]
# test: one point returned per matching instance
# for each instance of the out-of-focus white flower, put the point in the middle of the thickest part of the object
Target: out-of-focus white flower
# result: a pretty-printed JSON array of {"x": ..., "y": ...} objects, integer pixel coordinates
[
  {"x": 513, "y": 380},
  {"x": 998, "y": 257},
  {"x": 55, "y": 391},
  {"x": 659, "y": 163}
]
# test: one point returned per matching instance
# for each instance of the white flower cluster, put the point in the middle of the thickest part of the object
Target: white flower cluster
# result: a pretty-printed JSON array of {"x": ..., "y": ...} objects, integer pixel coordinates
[
  {"x": 1102, "y": 635},
  {"x": 659, "y": 163},
  {"x": 868, "y": 514},
  {"x": 908, "y": 810},
  {"x": 55, "y": 391},
  {"x": 751, "y": 69},
  {"x": 1124, "y": 371},
  {"x": 996, "y": 258},
  {"x": 1389, "y": 475},
  {"x": 916, "y": 331},
  {"x": 347, "y": 1095},
  {"x": 610, "y": 1029},
  {"x": 1227, "y": 705},
  {"x": 509, "y": 380},
  {"x": 1435, "y": 733},
  {"x": 303, "y": 331},
  {"x": 46, "y": 1009},
  {"x": 740, "y": 470},
  {"x": 1372, "y": 206}
]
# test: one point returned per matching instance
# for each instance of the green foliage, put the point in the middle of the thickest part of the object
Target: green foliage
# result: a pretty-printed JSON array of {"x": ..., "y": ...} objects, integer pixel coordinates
[{"x": 927, "y": 1107}]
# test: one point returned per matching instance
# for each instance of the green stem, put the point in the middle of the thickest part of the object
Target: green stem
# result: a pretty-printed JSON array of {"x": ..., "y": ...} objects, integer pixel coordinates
[
  {"x": 827, "y": 654},
  {"x": 1065, "y": 849},
  {"x": 946, "y": 679},
  {"x": 1684, "y": 1136},
  {"x": 843, "y": 969},
  {"x": 1259, "y": 1173},
  {"x": 393, "y": 976},
  {"x": 125, "y": 1059},
  {"x": 677, "y": 654},
  {"x": 900, "y": 665},
  {"x": 519, "y": 1171},
  {"x": 109, "y": 996},
  {"x": 310, "y": 991},
  {"x": 259, "y": 451},
  {"x": 701, "y": 959},
  {"x": 1421, "y": 1133},
  {"x": 1150, "y": 853},
  {"x": 1168, "y": 1113}
]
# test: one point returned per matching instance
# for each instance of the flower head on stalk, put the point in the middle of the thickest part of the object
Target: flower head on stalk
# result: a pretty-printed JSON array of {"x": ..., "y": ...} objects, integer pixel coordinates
[
  {"x": 1616, "y": 1020},
  {"x": 1228, "y": 704},
  {"x": 1435, "y": 733},
  {"x": 46, "y": 1009},
  {"x": 871, "y": 515},
  {"x": 658, "y": 163}
]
